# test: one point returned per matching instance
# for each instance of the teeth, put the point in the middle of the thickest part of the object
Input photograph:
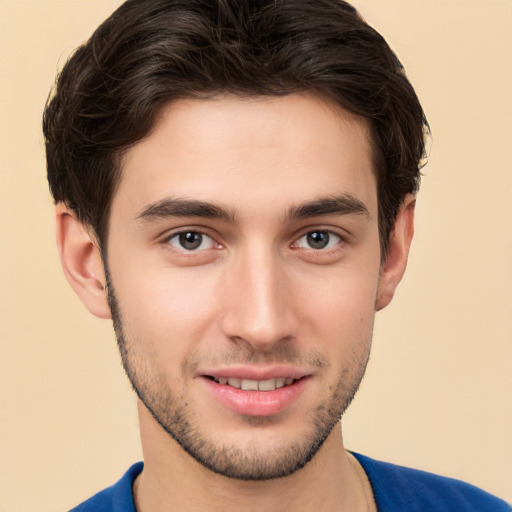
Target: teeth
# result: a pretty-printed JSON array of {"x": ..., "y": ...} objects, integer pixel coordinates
[
  {"x": 250, "y": 385},
  {"x": 255, "y": 385},
  {"x": 267, "y": 385},
  {"x": 234, "y": 382}
]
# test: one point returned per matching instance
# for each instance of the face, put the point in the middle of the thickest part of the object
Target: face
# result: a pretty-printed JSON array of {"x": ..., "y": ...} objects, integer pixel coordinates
[{"x": 244, "y": 264}]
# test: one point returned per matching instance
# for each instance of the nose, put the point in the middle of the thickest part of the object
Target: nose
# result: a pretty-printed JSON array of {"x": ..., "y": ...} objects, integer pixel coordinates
[{"x": 257, "y": 305}]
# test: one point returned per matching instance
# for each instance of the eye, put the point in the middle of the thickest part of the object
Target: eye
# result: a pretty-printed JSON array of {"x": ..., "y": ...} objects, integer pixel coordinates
[
  {"x": 190, "y": 241},
  {"x": 319, "y": 240}
]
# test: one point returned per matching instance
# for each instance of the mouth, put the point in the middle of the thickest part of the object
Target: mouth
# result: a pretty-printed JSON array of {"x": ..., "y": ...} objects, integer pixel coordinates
[
  {"x": 254, "y": 385},
  {"x": 265, "y": 393}
]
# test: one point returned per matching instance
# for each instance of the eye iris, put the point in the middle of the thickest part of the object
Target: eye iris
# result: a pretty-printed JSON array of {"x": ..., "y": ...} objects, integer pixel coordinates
[
  {"x": 318, "y": 239},
  {"x": 190, "y": 240}
]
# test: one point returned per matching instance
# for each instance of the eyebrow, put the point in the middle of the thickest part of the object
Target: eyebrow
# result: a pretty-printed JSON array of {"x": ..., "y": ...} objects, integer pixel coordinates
[
  {"x": 345, "y": 204},
  {"x": 170, "y": 207}
]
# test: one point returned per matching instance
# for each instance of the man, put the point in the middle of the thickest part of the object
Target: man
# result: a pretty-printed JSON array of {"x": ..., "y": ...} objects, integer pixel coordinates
[{"x": 235, "y": 188}]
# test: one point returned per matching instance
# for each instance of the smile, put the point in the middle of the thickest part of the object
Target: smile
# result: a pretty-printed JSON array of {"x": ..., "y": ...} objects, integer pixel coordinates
[
  {"x": 255, "y": 385},
  {"x": 261, "y": 395}
]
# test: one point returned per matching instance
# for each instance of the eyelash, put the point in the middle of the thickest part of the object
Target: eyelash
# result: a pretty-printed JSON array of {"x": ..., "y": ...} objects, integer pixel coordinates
[
  {"x": 325, "y": 233},
  {"x": 179, "y": 236},
  {"x": 183, "y": 233}
]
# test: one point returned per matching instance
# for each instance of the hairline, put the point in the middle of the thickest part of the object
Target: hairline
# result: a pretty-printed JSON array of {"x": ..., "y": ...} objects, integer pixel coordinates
[{"x": 326, "y": 98}]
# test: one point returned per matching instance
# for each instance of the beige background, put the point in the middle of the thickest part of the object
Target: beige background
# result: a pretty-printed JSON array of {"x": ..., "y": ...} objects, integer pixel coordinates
[{"x": 438, "y": 390}]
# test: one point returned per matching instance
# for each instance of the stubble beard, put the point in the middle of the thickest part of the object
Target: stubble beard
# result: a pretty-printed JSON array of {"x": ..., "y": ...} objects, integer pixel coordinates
[{"x": 250, "y": 462}]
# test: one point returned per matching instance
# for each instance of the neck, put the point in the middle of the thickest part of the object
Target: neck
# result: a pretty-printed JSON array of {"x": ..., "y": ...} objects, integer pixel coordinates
[{"x": 332, "y": 481}]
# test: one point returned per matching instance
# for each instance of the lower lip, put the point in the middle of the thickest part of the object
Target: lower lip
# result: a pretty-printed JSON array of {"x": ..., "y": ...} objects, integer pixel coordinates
[{"x": 256, "y": 403}]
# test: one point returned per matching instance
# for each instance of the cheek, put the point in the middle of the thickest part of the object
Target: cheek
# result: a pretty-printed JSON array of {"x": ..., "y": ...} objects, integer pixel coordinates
[
  {"x": 166, "y": 308},
  {"x": 341, "y": 307}
]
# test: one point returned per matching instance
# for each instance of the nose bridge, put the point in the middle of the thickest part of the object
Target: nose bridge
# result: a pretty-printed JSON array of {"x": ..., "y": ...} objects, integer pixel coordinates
[{"x": 258, "y": 310}]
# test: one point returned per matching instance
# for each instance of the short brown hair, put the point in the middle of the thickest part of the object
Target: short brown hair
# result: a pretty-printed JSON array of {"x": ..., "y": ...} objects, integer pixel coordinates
[{"x": 150, "y": 52}]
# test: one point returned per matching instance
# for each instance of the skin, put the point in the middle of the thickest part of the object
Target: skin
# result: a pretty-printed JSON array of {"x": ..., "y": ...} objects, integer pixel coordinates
[{"x": 254, "y": 295}]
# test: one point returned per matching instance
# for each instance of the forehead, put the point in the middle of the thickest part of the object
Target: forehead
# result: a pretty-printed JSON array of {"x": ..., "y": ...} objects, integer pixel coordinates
[{"x": 242, "y": 152}]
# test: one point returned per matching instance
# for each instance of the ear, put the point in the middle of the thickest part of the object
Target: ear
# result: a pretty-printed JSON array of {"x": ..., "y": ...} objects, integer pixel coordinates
[
  {"x": 81, "y": 261},
  {"x": 393, "y": 267}
]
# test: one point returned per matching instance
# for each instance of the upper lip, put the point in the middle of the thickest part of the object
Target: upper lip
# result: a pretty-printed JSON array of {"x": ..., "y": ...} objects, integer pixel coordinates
[{"x": 255, "y": 372}]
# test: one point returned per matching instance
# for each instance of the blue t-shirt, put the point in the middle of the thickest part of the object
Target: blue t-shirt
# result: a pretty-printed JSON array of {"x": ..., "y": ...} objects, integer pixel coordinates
[{"x": 396, "y": 489}]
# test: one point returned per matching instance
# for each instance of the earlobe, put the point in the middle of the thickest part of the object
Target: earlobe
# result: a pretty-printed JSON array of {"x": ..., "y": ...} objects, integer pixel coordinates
[
  {"x": 81, "y": 261},
  {"x": 395, "y": 262}
]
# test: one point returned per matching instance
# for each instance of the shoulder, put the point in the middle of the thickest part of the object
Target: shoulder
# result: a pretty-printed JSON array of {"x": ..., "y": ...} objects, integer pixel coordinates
[
  {"x": 116, "y": 498},
  {"x": 399, "y": 488}
]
